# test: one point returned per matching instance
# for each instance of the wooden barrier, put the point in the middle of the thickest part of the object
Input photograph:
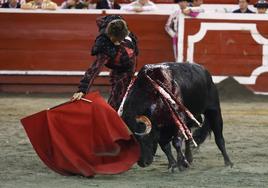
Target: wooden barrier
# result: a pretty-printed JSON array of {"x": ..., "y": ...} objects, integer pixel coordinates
[
  {"x": 62, "y": 42},
  {"x": 229, "y": 45},
  {"x": 49, "y": 51}
]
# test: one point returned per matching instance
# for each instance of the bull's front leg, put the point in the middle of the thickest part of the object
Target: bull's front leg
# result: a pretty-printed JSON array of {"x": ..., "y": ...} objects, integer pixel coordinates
[
  {"x": 188, "y": 151},
  {"x": 182, "y": 162},
  {"x": 172, "y": 163}
]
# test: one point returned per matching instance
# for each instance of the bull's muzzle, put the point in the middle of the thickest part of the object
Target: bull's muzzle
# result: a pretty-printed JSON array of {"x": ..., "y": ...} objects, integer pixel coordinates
[{"x": 146, "y": 121}]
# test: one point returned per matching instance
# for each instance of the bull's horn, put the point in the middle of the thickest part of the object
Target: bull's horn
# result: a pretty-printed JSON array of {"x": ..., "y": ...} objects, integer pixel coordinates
[{"x": 146, "y": 121}]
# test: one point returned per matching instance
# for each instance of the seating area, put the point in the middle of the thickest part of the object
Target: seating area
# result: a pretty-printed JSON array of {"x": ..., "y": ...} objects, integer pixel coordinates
[{"x": 163, "y": 5}]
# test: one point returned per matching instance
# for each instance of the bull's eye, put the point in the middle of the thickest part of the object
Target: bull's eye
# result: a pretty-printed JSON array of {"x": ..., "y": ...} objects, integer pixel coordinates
[{"x": 144, "y": 125}]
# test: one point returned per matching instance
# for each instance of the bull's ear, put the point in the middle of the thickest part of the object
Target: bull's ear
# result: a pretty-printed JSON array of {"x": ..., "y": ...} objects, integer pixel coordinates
[{"x": 144, "y": 125}]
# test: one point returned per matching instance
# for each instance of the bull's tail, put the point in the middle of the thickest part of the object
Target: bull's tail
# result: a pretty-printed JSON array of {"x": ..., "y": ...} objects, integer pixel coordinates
[{"x": 200, "y": 134}]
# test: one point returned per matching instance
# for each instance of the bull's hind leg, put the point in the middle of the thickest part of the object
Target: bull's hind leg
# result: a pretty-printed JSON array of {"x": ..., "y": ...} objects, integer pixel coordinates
[
  {"x": 214, "y": 119},
  {"x": 172, "y": 163}
]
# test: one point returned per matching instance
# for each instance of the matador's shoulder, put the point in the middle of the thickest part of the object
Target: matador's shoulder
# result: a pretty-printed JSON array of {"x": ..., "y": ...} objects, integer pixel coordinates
[{"x": 103, "y": 45}]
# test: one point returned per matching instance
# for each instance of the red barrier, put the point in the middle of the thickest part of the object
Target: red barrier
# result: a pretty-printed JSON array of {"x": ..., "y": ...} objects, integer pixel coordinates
[{"x": 62, "y": 42}]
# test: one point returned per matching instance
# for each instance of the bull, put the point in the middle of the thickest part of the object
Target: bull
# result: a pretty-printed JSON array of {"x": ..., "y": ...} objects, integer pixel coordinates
[{"x": 149, "y": 114}]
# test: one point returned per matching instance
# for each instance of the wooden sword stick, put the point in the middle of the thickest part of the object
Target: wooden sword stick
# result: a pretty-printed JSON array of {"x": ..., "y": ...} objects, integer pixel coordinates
[{"x": 87, "y": 100}]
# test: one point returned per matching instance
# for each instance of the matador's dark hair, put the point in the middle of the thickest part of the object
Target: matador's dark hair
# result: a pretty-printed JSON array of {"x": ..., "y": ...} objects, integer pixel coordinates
[{"x": 118, "y": 29}]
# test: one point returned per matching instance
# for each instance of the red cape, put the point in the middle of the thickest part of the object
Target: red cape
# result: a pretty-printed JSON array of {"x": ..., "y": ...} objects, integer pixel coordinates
[{"x": 82, "y": 138}]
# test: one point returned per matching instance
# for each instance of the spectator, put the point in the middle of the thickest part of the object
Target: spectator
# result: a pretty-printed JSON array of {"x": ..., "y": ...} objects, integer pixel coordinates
[
  {"x": 73, "y": 4},
  {"x": 40, "y": 4},
  {"x": 171, "y": 26},
  {"x": 32, "y": 4},
  {"x": 243, "y": 7},
  {"x": 183, "y": 4},
  {"x": 11, "y": 4},
  {"x": 190, "y": 9},
  {"x": 261, "y": 6},
  {"x": 140, "y": 6},
  {"x": 197, "y": 3},
  {"x": 90, "y": 4},
  {"x": 107, "y": 4}
]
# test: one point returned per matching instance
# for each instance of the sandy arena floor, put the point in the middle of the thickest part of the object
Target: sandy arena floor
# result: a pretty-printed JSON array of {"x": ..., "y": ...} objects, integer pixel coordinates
[{"x": 245, "y": 130}]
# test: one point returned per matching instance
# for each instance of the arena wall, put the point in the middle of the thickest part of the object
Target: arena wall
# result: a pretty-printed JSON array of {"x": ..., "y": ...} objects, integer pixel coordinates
[{"x": 48, "y": 51}]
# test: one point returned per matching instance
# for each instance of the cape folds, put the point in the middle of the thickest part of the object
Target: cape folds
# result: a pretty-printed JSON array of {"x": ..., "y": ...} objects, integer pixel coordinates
[{"x": 82, "y": 138}]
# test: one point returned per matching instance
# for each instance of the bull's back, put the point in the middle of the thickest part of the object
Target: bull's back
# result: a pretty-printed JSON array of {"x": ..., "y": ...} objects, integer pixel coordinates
[
  {"x": 193, "y": 80},
  {"x": 195, "y": 83}
]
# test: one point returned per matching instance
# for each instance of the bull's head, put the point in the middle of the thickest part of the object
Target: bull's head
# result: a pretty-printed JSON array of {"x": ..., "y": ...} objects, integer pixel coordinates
[
  {"x": 138, "y": 115},
  {"x": 145, "y": 135}
]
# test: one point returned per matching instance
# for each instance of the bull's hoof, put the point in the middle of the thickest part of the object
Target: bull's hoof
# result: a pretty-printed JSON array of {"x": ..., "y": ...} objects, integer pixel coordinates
[
  {"x": 189, "y": 157},
  {"x": 172, "y": 168},
  {"x": 183, "y": 164},
  {"x": 229, "y": 164},
  {"x": 182, "y": 168},
  {"x": 195, "y": 150}
]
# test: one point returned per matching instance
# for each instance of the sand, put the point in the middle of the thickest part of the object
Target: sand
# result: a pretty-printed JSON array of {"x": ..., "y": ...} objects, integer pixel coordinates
[{"x": 245, "y": 131}]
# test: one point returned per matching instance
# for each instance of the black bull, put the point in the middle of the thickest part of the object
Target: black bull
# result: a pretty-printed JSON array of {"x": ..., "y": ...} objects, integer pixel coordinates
[{"x": 193, "y": 86}]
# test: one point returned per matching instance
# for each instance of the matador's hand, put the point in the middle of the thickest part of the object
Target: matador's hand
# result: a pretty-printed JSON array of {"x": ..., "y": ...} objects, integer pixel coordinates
[{"x": 77, "y": 96}]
